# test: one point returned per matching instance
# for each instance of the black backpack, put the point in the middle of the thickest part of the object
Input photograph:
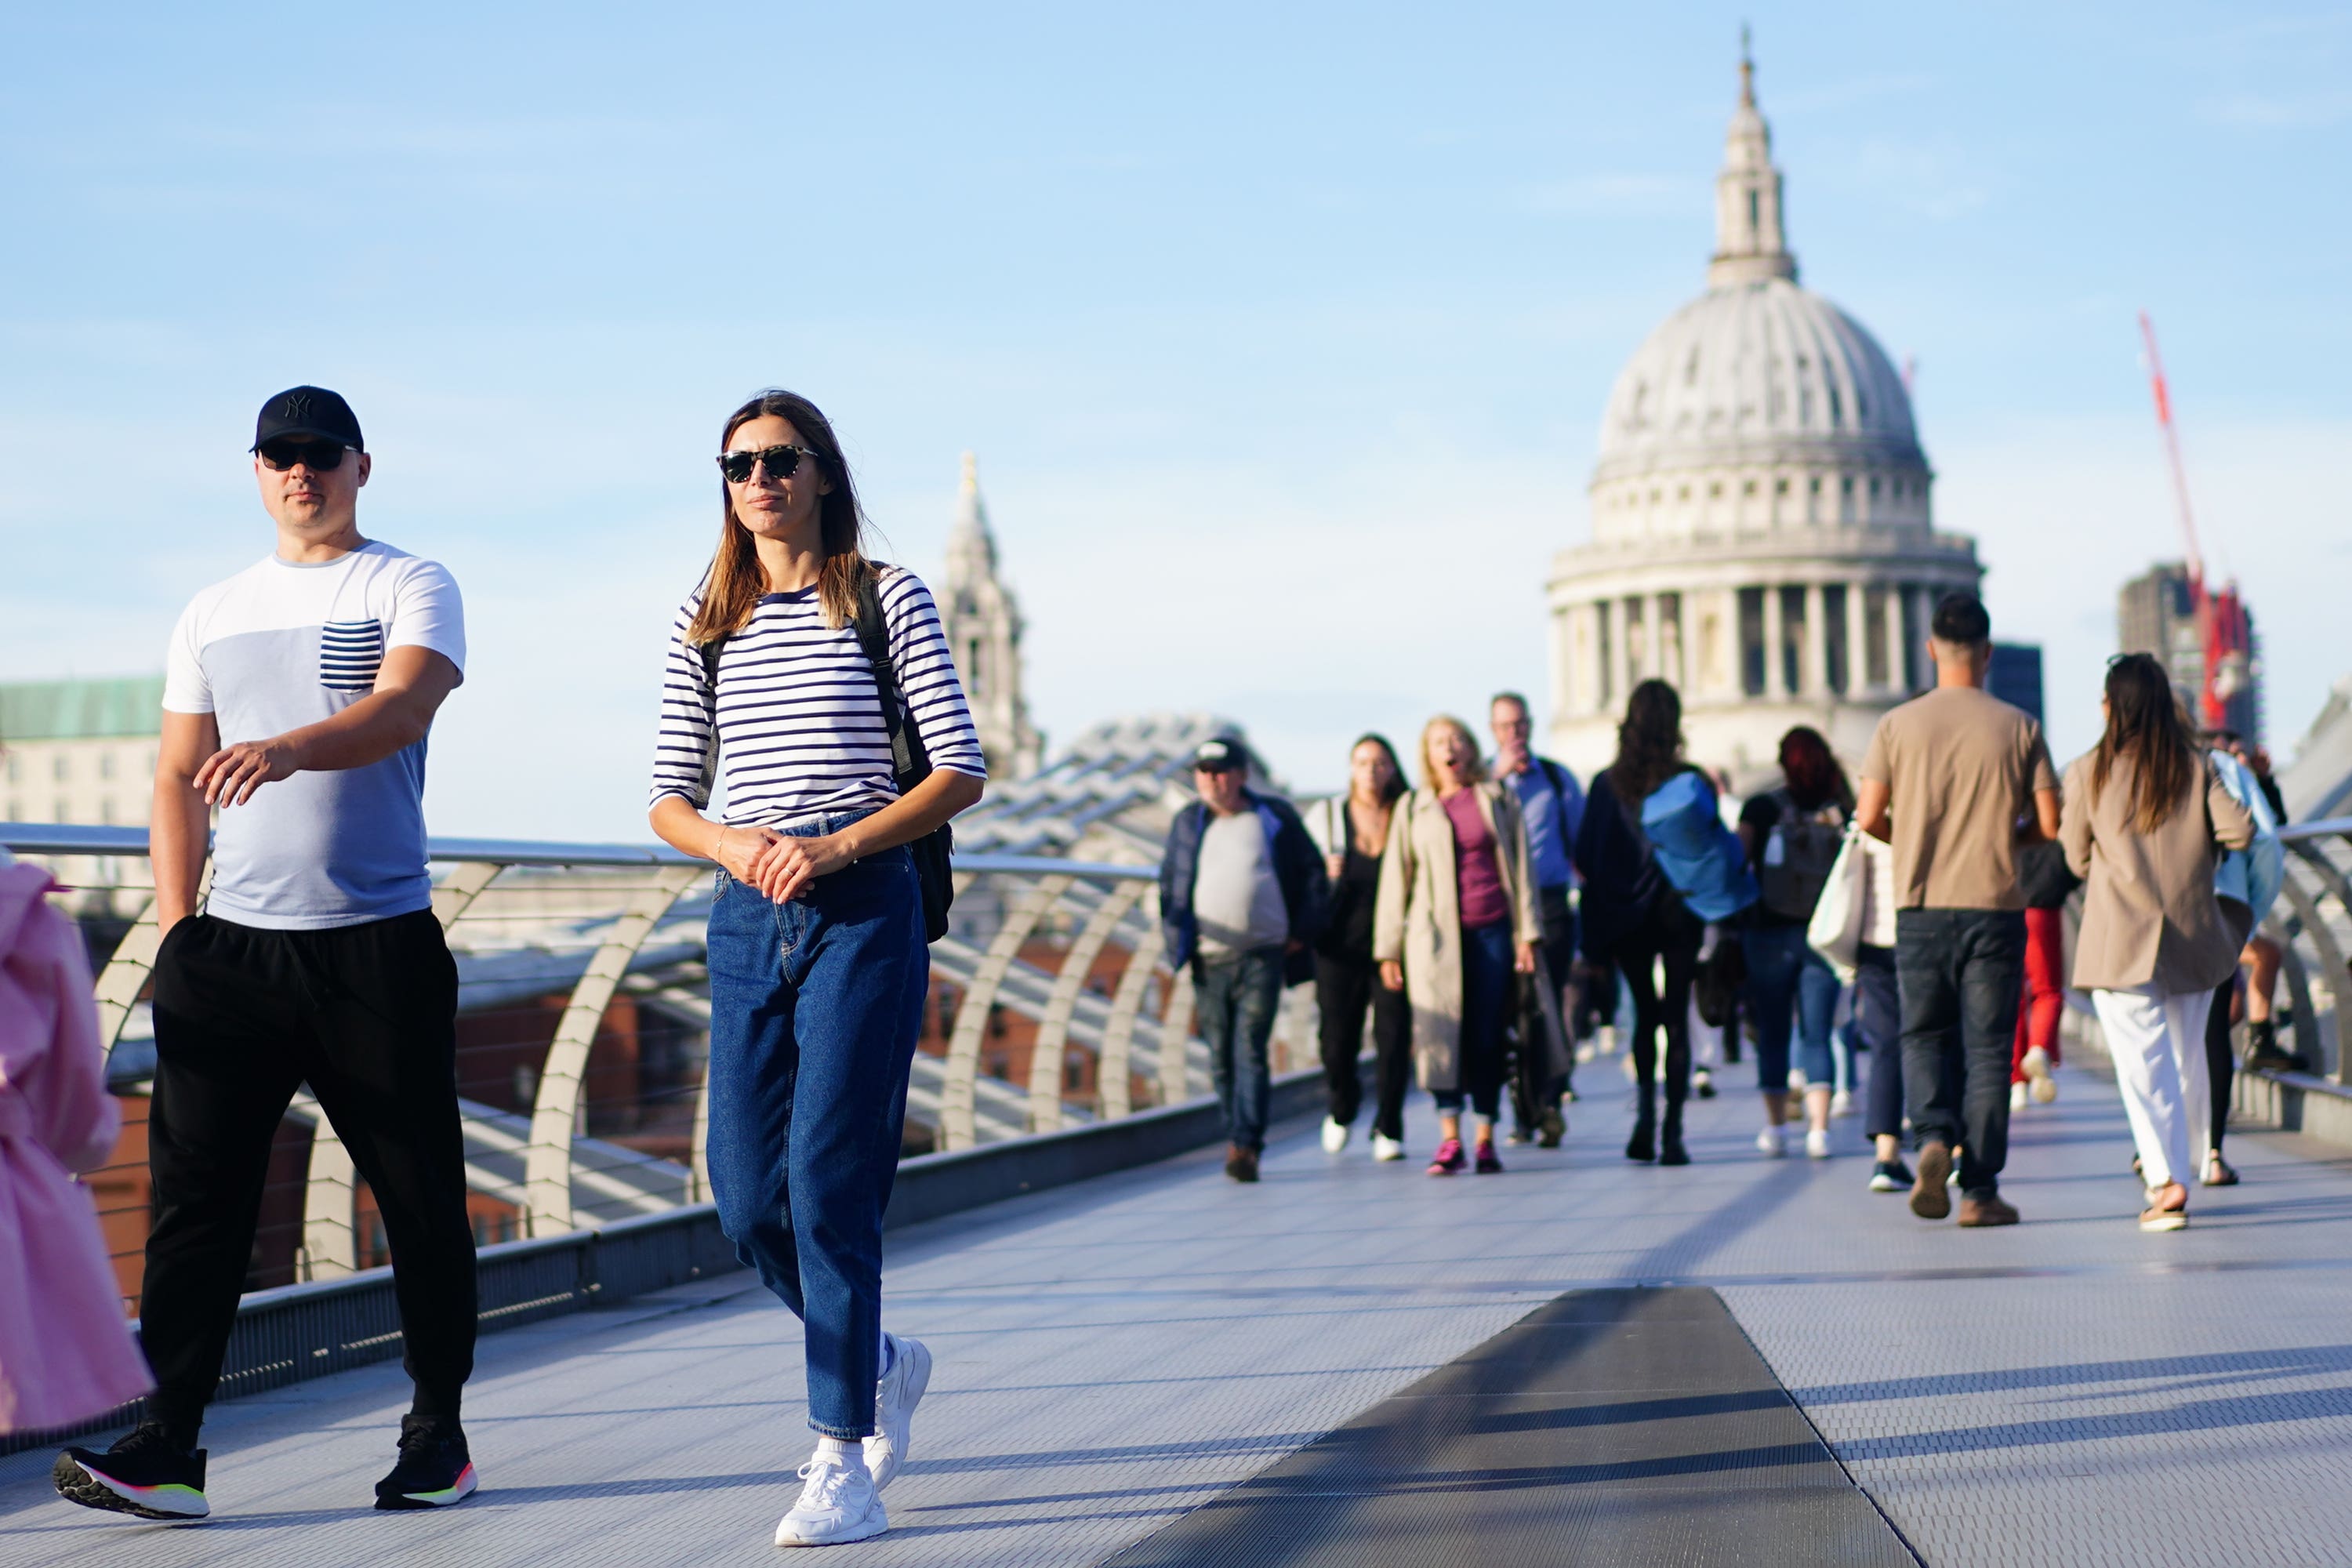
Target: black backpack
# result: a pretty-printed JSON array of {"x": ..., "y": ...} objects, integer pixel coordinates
[
  {"x": 1807, "y": 845},
  {"x": 910, "y": 763}
]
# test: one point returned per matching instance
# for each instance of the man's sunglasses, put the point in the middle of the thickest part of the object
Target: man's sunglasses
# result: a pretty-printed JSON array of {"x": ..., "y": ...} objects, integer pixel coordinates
[
  {"x": 318, "y": 455},
  {"x": 782, "y": 463}
]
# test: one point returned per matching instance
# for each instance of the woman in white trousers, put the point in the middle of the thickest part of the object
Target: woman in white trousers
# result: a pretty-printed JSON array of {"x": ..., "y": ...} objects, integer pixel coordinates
[{"x": 2145, "y": 821}]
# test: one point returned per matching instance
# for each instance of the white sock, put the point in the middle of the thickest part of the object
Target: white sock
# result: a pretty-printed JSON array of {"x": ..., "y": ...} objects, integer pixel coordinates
[
  {"x": 849, "y": 1453},
  {"x": 890, "y": 1356}
]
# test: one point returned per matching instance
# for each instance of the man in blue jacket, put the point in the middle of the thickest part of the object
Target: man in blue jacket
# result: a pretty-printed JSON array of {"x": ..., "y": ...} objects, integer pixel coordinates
[{"x": 1241, "y": 895}]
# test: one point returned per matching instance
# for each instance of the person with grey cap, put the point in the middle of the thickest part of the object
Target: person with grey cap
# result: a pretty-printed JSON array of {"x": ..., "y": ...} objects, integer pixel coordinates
[
  {"x": 296, "y": 698},
  {"x": 1243, "y": 895}
]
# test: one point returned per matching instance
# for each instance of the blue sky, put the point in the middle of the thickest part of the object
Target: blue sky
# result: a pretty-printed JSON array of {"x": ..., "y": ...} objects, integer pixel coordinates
[{"x": 1283, "y": 332}]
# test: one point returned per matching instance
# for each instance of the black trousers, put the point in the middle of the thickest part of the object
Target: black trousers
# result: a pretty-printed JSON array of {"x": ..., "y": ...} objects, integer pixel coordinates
[
  {"x": 2220, "y": 1062},
  {"x": 1536, "y": 1086},
  {"x": 366, "y": 1016},
  {"x": 1668, "y": 938},
  {"x": 1960, "y": 973},
  {"x": 1344, "y": 988}
]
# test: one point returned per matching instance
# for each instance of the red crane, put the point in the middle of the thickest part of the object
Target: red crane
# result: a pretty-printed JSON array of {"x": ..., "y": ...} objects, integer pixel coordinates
[{"x": 2219, "y": 616}]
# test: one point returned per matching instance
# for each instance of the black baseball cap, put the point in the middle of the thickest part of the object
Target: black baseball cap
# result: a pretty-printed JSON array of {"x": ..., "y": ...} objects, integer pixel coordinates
[
  {"x": 1219, "y": 755},
  {"x": 310, "y": 411}
]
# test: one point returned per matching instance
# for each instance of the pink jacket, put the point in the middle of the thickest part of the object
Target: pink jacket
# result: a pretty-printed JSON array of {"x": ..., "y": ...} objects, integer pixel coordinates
[{"x": 66, "y": 1353}]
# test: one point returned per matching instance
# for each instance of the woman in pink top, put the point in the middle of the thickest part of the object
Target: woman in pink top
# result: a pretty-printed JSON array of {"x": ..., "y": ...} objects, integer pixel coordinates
[
  {"x": 1456, "y": 915},
  {"x": 66, "y": 1353}
]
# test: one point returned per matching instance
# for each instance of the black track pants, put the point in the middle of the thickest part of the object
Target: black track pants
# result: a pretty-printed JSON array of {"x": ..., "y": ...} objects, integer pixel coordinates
[{"x": 366, "y": 1016}]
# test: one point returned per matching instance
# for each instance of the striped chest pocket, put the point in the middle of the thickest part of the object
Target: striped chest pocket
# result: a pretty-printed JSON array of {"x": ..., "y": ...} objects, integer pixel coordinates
[{"x": 350, "y": 654}]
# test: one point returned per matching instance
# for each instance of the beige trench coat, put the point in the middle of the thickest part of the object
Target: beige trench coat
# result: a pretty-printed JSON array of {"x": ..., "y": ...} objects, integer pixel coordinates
[
  {"x": 1417, "y": 919},
  {"x": 2150, "y": 916}
]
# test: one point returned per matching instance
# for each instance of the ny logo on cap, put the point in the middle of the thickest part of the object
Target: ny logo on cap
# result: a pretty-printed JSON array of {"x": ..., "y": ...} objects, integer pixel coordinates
[{"x": 298, "y": 406}]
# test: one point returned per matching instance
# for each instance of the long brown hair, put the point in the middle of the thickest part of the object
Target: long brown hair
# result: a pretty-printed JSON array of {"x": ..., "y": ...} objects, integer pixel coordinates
[
  {"x": 1649, "y": 742},
  {"x": 2144, "y": 724},
  {"x": 731, "y": 588}
]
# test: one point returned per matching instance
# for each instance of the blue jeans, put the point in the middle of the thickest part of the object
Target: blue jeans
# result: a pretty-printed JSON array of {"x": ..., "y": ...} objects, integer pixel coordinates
[
  {"x": 815, "y": 1008},
  {"x": 1486, "y": 957},
  {"x": 1879, "y": 1014},
  {"x": 1236, "y": 999},
  {"x": 1788, "y": 980}
]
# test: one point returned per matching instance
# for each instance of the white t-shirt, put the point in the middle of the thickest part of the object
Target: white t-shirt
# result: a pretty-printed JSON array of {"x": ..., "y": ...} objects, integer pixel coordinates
[{"x": 281, "y": 645}]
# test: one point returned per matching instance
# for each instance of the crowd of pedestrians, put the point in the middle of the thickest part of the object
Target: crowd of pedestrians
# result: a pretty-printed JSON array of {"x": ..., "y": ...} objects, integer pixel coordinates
[{"x": 1473, "y": 918}]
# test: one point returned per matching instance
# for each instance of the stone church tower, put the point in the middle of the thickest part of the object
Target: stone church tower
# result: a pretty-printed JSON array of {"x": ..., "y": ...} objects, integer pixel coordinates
[{"x": 982, "y": 623}]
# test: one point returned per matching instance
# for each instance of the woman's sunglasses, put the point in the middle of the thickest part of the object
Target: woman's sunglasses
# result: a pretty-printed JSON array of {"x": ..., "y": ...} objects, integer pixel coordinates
[
  {"x": 782, "y": 463},
  {"x": 318, "y": 455}
]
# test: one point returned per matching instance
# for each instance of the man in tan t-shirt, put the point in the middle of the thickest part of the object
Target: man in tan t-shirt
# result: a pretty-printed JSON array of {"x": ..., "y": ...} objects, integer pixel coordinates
[{"x": 1955, "y": 780}]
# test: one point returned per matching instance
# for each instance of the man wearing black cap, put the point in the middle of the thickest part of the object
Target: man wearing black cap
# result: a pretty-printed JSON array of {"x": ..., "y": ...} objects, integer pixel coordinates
[
  {"x": 1243, "y": 892},
  {"x": 296, "y": 698}
]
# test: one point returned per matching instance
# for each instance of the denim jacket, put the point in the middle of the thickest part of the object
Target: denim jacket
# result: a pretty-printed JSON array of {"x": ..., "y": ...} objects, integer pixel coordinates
[{"x": 2251, "y": 875}]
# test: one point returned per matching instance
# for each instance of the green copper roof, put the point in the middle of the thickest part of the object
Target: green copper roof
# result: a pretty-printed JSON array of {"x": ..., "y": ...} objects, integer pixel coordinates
[{"x": 82, "y": 710}]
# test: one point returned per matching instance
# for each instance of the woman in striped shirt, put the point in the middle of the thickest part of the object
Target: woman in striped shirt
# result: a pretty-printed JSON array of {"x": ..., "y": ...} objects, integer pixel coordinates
[{"x": 818, "y": 965}]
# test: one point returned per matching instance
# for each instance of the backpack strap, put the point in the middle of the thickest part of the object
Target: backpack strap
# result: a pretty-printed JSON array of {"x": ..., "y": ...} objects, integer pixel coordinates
[
  {"x": 910, "y": 762},
  {"x": 1556, "y": 776}
]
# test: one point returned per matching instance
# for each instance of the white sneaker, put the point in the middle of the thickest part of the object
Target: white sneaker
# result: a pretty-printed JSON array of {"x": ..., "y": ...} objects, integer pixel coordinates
[
  {"x": 1817, "y": 1143},
  {"x": 895, "y": 1398},
  {"x": 837, "y": 1504},
  {"x": 2035, "y": 1065},
  {"x": 1772, "y": 1142},
  {"x": 1841, "y": 1103},
  {"x": 2017, "y": 1097},
  {"x": 1335, "y": 1135},
  {"x": 1386, "y": 1148}
]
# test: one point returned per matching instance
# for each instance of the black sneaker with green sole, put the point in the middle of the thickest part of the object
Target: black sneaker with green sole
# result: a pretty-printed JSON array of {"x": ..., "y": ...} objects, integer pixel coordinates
[
  {"x": 145, "y": 1474},
  {"x": 435, "y": 1468}
]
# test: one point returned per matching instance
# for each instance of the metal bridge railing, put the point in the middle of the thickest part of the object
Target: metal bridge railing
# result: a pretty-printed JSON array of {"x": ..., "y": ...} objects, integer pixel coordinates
[
  {"x": 2312, "y": 922},
  {"x": 583, "y": 1028}
]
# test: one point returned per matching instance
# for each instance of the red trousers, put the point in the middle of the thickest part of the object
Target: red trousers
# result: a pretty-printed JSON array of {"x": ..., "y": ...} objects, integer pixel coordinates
[{"x": 2044, "y": 998}]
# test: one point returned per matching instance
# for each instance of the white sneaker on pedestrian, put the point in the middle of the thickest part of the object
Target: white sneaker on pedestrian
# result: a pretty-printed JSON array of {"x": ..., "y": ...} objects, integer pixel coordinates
[
  {"x": 837, "y": 1503},
  {"x": 1841, "y": 1103},
  {"x": 2017, "y": 1101},
  {"x": 1773, "y": 1143},
  {"x": 2035, "y": 1065},
  {"x": 1817, "y": 1143},
  {"x": 1335, "y": 1135},
  {"x": 1385, "y": 1148},
  {"x": 895, "y": 1398}
]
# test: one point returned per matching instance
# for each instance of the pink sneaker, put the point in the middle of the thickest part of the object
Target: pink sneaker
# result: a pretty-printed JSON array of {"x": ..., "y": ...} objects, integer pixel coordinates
[
  {"x": 1488, "y": 1163},
  {"x": 1449, "y": 1158}
]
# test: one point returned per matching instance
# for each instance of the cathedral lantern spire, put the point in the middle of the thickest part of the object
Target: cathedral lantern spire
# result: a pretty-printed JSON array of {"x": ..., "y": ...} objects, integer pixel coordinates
[
  {"x": 982, "y": 624},
  {"x": 1750, "y": 243}
]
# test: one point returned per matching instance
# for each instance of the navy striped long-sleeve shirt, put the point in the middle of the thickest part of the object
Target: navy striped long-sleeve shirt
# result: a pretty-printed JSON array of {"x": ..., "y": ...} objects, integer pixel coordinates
[{"x": 795, "y": 715}]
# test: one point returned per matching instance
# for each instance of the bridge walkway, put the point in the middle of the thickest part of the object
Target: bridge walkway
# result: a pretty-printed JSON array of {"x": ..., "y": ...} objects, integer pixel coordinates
[{"x": 1114, "y": 1356}]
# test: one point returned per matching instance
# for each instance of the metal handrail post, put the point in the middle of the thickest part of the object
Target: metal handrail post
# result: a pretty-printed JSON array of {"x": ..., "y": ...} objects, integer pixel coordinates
[
  {"x": 1046, "y": 1062},
  {"x": 1114, "y": 1072},
  {"x": 555, "y": 1114},
  {"x": 959, "y": 1124}
]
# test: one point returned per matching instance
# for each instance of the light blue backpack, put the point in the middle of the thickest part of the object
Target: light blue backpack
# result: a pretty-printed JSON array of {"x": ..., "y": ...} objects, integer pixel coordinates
[{"x": 1700, "y": 856}]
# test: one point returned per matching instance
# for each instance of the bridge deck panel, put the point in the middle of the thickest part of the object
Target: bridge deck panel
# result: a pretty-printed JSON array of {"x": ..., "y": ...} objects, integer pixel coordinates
[{"x": 1113, "y": 1355}]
